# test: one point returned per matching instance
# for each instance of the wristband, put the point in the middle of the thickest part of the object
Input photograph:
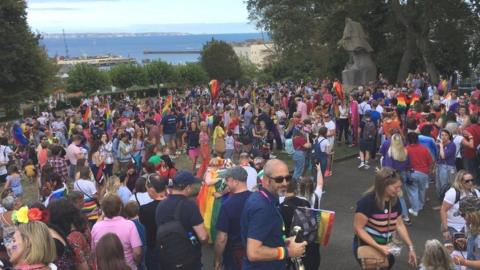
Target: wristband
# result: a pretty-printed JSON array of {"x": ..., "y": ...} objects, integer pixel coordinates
[
  {"x": 281, "y": 253},
  {"x": 411, "y": 248}
]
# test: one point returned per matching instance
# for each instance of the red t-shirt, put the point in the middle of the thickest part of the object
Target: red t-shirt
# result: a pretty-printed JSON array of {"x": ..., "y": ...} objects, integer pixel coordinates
[
  {"x": 475, "y": 131},
  {"x": 420, "y": 158},
  {"x": 298, "y": 142}
]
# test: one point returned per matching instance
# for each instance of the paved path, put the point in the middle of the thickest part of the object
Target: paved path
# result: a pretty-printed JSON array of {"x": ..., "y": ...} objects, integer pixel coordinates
[{"x": 344, "y": 188}]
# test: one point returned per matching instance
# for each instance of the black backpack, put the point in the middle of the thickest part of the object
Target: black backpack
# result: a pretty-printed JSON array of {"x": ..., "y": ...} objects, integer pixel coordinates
[
  {"x": 446, "y": 187},
  {"x": 369, "y": 130},
  {"x": 175, "y": 248}
]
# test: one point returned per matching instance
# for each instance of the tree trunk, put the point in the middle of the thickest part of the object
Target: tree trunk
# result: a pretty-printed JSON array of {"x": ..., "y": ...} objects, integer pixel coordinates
[
  {"x": 407, "y": 57},
  {"x": 432, "y": 70}
]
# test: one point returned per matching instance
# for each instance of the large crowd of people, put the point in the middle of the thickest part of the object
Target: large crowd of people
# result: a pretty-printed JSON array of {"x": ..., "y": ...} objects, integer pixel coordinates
[{"x": 143, "y": 183}]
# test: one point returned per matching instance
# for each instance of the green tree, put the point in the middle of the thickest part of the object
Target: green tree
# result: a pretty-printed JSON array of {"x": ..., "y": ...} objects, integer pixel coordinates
[
  {"x": 407, "y": 35},
  {"x": 220, "y": 61},
  {"x": 191, "y": 74},
  {"x": 86, "y": 78},
  {"x": 250, "y": 72},
  {"x": 26, "y": 72},
  {"x": 128, "y": 75},
  {"x": 160, "y": 72}
]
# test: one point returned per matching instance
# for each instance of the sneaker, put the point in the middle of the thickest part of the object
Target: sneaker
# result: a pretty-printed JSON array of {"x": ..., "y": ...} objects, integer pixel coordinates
[
  {"x": 412, "y": 212},
  {"x": 366, "y": 167},
  {"x": 272, "y": 156},
  {"x": 407, "y": 221},
  {"x": 361, "y": 165}
]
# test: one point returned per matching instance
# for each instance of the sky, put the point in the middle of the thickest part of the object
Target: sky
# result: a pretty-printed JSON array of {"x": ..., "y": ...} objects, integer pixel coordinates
[{"x": 186, "y": 16}]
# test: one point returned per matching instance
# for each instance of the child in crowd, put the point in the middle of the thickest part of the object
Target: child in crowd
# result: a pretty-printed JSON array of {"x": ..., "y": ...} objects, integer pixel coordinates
[
  {"x": 30, "y": 171},
  {"x": 130, "y": 211},
  {"x": 14, "y": 181},
  {"x": 229, "y": 145}
]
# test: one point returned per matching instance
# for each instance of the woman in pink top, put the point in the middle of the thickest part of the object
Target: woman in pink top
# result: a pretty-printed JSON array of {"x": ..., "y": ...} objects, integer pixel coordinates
[
  {"x": 42, "y": 152},
  {"x": 204, "y": 148},
  {"x": 123, "y": 228}
]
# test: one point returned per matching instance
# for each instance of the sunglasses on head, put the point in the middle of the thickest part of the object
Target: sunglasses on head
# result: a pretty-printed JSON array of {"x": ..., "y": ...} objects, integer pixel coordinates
[{"x": 280, "y": 179}]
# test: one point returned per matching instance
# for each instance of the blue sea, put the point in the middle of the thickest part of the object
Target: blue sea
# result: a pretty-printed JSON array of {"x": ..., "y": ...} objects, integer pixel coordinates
[{"x": 134, "y": 46}]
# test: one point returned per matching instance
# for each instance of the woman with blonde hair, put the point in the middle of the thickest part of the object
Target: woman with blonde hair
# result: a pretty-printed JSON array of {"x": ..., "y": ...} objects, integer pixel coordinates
[
  {"x": 462, "y": 186},
  {"x": 378, "y": 217},
  {"x": 436, "y": 257},
  {"x": 396, "y": 157},
  {"x": 33, "y": 247},
  {"x": 470, "y": 210}
]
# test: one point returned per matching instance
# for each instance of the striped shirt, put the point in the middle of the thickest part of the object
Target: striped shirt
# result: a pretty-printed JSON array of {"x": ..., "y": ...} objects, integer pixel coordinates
[{"x": 377, "y": 224}]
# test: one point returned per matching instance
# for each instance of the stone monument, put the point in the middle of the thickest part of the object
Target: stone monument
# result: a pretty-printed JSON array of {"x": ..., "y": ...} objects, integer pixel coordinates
[{"x": 360, "y": 68}]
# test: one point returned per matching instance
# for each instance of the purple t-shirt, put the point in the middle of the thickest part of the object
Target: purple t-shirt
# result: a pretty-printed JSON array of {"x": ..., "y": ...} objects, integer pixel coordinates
[{"x": 449, "y": 149}]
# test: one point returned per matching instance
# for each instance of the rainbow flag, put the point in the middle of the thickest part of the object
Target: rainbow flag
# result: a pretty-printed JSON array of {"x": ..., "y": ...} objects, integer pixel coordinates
[
  {"x": 90, "y": 208},
  {"x": 108, "y": 120},
  {"x": 17, "y": 132},
  {"x": 337, "y": 85},
  {"x": 325, "y": 226},
  {"x": 402, "y": 102},
  {"x": 167, "y": 104},
  {"x": 213, "y": 85},
  {"x": 87, "y": 115},
  {"x": 317, "y": 224},
  {"x": 415, "y": 99}
]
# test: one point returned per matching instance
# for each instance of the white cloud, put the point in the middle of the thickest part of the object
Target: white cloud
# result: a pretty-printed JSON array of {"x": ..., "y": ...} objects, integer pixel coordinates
[{"x": 101, "y": 15}]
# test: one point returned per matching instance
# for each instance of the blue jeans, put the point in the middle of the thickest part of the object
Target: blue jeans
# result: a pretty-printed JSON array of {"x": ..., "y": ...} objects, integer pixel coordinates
[
  {"x": 444, "y": 175},
  {"x": 471, "y": 165},
  {"x": 416, "y": 190},
  {"x": 401, "y": 199},
  {"x": 299, "y": 159}
]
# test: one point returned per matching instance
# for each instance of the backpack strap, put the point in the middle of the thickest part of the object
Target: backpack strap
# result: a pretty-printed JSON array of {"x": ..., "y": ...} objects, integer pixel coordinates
[{"x": 457, "y": 195}]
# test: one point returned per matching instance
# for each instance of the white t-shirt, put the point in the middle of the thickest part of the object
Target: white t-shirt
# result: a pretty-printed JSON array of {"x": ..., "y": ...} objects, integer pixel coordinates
[
  {"x": 330, "y": 125},
  {"x": 456, "y": 222},
  {"x": 252, "y": 177},
  {"x": 457, "y": 140},
  {"x": 5, "y": 151},
  {"x": 143, "y": 198},
  {"x": 364, "y": 107},
  {"x": 229, "y": 143},
  {"x": 86, "y": 187},
  {"x": 324, "y": 144}
]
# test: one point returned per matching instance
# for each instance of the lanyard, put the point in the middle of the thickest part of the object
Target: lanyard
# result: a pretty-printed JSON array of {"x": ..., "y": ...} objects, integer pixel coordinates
[{"x": 265, "y": 195}]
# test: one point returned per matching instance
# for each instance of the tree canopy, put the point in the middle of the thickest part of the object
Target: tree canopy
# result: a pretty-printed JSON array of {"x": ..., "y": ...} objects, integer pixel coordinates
[
  {"x": 406, "y": 35},
  {"x": 25, "y": 69},
  {"x": 220, "y": 61},
  {"x": 128, "y": 75},
  {"x": 159, "y": 72},
  {"x": 87, "y": 79},
  {"x": 191, "y": 74}
]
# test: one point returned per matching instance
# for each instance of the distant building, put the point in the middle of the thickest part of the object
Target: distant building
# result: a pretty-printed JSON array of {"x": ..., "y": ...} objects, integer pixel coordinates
[
  {"x": 101, "y": 62},
  {"x": 257, "y": 51}
]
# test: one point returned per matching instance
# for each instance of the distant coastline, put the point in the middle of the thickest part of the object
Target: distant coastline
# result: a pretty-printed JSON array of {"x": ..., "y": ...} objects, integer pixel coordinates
[
  {"x": 133, "y": 45},
  {"x": 123, "y": 34}
]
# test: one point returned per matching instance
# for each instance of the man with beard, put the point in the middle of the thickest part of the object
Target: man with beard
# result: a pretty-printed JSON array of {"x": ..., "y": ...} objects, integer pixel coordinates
[{"x": 262, "y": 224}]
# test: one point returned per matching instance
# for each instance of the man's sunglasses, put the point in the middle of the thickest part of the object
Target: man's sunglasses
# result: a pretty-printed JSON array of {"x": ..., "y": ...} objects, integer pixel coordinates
[{"x": 280, "y": 179}]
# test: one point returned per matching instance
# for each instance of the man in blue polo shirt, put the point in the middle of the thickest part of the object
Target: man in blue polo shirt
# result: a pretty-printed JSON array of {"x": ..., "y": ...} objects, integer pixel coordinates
[
  {"x": 262, "y": 224},
  {"x": 228, "y": 243},
  {"x": 169, "y": 130}
]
